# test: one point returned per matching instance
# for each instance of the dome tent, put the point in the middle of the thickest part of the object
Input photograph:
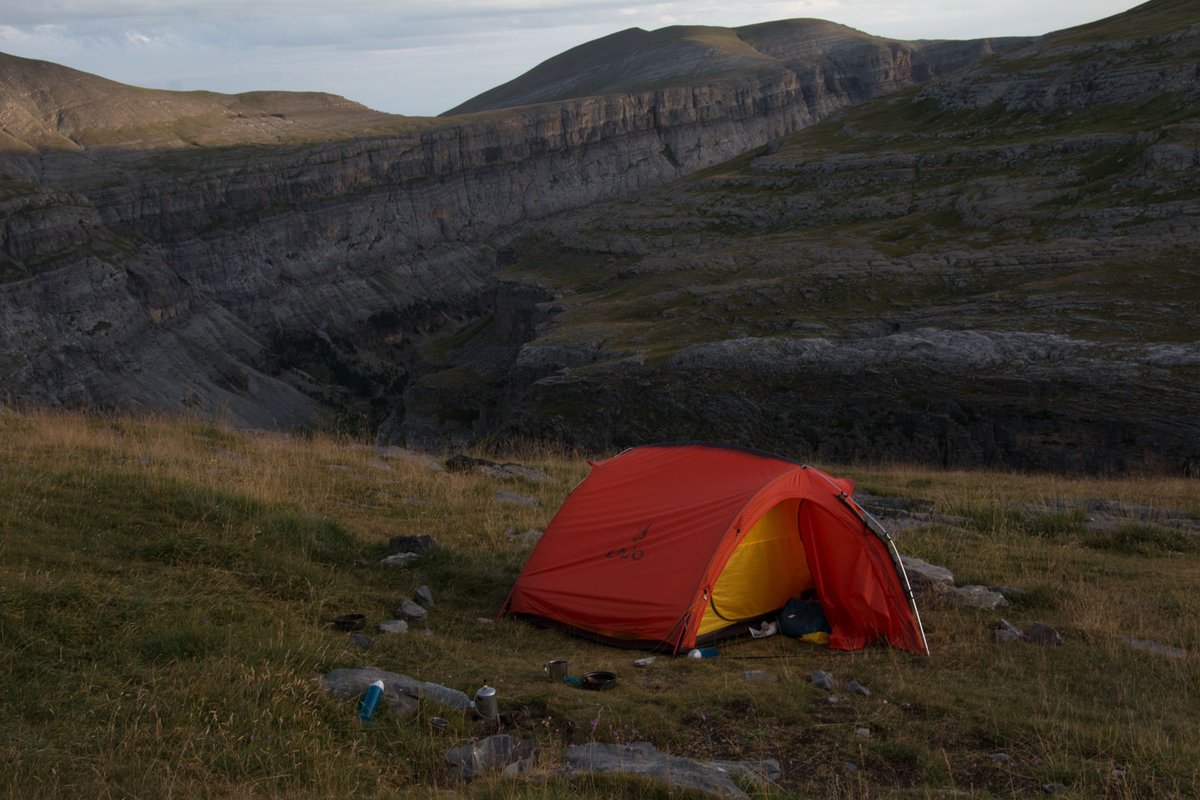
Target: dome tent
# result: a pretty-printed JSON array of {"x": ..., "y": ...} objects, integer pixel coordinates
[{"x": 672, "y": 546}]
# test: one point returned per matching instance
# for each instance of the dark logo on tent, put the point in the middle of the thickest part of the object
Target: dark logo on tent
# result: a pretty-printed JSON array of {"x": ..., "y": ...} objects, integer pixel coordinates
[{"x": 633, "y": 553}]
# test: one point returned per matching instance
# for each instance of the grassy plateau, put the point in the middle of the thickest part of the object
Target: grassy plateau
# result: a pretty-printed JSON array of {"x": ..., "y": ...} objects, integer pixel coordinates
[{"x": 165, "y": 589}]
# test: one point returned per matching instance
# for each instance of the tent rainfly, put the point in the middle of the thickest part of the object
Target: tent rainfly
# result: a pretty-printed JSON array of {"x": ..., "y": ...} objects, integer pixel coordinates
[{"x": 674, "y": 546}]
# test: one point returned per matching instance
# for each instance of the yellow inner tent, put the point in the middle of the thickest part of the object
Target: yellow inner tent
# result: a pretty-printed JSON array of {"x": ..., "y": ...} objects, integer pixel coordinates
[{"x": 766, "y": 569}]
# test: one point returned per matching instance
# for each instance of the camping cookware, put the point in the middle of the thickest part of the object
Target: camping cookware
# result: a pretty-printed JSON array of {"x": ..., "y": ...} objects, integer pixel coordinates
[
  {"x": 556, "y": 671},
  {"x": 485, "y": 702}
]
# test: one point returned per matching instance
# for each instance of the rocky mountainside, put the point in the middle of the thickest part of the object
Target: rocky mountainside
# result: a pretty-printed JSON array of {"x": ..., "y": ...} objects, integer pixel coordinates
[
  {"x": 275, "y": 258},
  {"x": 995, "y": 268},
  {"x": 822, "y": 56}
]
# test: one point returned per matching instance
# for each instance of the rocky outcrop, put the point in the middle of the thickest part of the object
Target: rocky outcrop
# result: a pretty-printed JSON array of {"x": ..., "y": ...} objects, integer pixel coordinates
[
  {"x": 931, "y": 278},
  {"x": 270, "y": 274}
]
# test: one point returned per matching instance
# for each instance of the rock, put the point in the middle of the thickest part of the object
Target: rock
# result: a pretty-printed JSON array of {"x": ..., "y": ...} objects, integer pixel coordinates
[
  {"x": 361, "y": 642},
  {"x": 517, "y": 768},
  {"x": 393, "y": 626},
  {"x": 411, "y": 544},
  {"x": 833, "y": 699},
  {"x": 1000, "y": 758},
  {"x": 1053, "y": 788},
  {"x": 399, "y": 691},
  {"x": 1043, "y": 634},
  {"x": 1007, "y": 632},
  {"x": 862, "y": 733},
  {"x": 484, "y": 621},
  {"x": 1014, "y": 592},
  {"x": 922, "y": 575},
  {"x": 676, "y": 772},
  {"x": 975, "y": 596},
  {"x": 850, "y": 767},
  {"x": 644, "y": 662},
  {"x": 424, "y": 596},
  {"x": 824, "y": 680},
  {"x": 488, "y": 755},
  {"x": 399, "y": 559},
  {"x": 762, "y": 773},
  {"x": 858, "y": 688},
  {"x": 514, "y": 472},
  {"x": 410, "y": 611},
  {"x": 513, "y": 499},
  {"x": 759, "y": 676},
  {"x": 1157, "y": 648}
]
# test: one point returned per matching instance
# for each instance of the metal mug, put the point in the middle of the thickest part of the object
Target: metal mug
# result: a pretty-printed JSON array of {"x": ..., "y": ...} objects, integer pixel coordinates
[
  {"x": 556, "y": 671},
  {"x": 485, "y": 702}
]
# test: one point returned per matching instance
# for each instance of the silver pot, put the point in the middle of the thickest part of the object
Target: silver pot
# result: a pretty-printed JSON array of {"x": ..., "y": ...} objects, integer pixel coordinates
[{"x": 485, "y": 703}]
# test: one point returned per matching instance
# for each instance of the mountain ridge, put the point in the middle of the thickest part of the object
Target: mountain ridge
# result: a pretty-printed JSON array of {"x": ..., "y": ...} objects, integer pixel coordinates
[
  {"x": 450, "y": 280},
  {"x": 635, "y": 60}
]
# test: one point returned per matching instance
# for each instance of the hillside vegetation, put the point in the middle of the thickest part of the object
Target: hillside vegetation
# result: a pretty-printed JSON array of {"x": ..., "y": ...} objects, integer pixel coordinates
[
  {"x": 49, "y": 107},
  {"x": 165, "y": 587}
]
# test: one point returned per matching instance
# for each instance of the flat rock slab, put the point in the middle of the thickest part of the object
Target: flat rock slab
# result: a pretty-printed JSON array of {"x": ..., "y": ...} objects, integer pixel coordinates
[
  {"x": 1157, "y": 648},
  {"x": 393, "y": 626},
  {"x": 714, "y": 778},
  {"x": 399, "y": 691},
  {"x": 514, "y": 499},
  {"x": 410, "y": 610},
  {"x": 488, "y": 755},
  {"x": 514, "y": 471},
  {"x": 975, "y": 596},
  {"x": 922, "y": 574},
  {"x": 346, "y": 683},
  {"x": 399, "y": 559}
]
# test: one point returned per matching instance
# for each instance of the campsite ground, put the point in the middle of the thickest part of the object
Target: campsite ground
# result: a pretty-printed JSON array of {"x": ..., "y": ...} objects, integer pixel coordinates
[{"x": 165, "y": 584}]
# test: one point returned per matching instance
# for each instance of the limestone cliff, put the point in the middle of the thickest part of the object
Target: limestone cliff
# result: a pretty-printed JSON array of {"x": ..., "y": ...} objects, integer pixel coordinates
[
  {"x": 995, "y": 268},
  {"x": 267, "y": 256}
]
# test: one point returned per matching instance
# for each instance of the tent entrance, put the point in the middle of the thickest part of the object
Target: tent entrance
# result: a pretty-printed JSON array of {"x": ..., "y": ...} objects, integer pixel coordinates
[{"x": 767, "y": 568}]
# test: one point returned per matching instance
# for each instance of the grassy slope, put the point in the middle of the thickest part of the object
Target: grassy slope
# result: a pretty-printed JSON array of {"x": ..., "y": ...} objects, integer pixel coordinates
[
  {"x": 163, "y": 586},
  {"x": 47, "y": 106}
]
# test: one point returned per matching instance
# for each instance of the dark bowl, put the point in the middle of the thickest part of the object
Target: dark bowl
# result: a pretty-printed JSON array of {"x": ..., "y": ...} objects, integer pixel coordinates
[
  {"x": 349, "y": 622},
  {"x": 599, "y": 680}
]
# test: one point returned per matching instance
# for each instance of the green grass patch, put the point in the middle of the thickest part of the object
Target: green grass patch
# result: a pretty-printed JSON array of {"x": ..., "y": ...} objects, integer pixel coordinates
[
  {"x": 1145, "y": 540},
  {"x": 164, "y": 589}
]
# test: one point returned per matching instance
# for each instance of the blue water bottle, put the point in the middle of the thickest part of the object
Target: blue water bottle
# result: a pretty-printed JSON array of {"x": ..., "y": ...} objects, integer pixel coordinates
[
  {"x": 705, "y": 652},
  {"x": 370, "y": 700}
]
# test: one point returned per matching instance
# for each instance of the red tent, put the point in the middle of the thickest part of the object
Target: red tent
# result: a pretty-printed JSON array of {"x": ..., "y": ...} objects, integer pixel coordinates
[{"x": 675, "y": 545}]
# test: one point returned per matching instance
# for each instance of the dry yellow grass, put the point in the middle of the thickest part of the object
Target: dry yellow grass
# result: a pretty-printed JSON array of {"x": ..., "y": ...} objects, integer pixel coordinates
[{"x": 167, "y": 581}]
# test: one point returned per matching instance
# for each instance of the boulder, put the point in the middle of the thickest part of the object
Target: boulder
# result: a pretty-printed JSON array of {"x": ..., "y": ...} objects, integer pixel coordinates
[
  {"x": 923, "y": 575},
  {"x": 410, "y": 611},
  {"x": 1043, "y": 634},
  {"x": 424, "y": 596}
]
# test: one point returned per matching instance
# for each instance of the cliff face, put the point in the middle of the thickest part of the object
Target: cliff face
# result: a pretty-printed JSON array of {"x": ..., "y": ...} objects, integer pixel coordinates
[
  {"x": 996, "y": 268},
  {"x": 256, "y": 259}
]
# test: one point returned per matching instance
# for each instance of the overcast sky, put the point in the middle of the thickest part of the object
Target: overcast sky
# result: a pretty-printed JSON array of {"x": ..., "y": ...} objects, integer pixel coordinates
[{"x": 422, "y": 57}]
